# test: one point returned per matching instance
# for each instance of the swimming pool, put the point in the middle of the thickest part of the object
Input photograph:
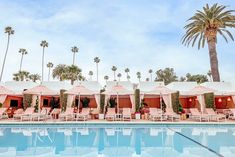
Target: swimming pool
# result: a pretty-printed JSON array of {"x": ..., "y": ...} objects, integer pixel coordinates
[{"x": 117, "y": 140}]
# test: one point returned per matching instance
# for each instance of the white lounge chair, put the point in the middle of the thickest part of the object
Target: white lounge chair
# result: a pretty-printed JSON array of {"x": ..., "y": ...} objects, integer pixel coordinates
[
  {"x": 17, "y": 113},
  {"x": 214, "y": 116},
  {"x": 171, "y": 114},
  {"x": 68, "y": 114},
  {"x": 154, "y": 114},
  {"x": 126, "y": 114},
  {"x": 3, "y": 113},
  {"x": 196, "y": 115},
  {"x": 83, "y": 115},
  {"x": 110, "y": 115},
  {"x": 27, "y": 114}
]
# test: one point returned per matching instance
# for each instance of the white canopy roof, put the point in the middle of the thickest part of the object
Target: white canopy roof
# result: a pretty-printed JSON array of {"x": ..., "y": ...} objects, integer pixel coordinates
[
  {"x": 125, "y": 84},
  {"x": 183, "y": 87},
  {"x": 91, "y": 85},
  {"x": 221, "y": 88},
  {"x": 118, "y": 90},
  {"x": 149, "y": 86},
  {"x": 81, "y": 90},
  {"x": 19, "y": 86},
  {"x": 57, "y": 85}
]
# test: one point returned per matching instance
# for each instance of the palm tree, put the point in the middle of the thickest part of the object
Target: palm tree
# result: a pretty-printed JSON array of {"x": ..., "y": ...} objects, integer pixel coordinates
[
  {"x": 138, "y": 75},
  {"x": 49, "y": 65},
  {"x": 127, "y": 70},
  {"x": 74, "y": 50},
  {"x": 23, "y": 52},
  {"x": 9, "y": 32},
  {"x": 151, "y": 77},
  {"x": 114, "y": 69},
  {"x": 204, "y": 26},
  {"x": 73, "y": 73},
  {"x": 21, "y": 76},
  {"x": 59, "y": 72},
  {"x": 43, "y": 44},
  {"x": 119, "y": 75},
  {"x": 106, "y": 78},
  {"x": 91, "y": 74},
  {"x": 209, "y": 74},
  {"x": 128, "y": 77},
  {"x": 34, "y": 77},
  {"x": 97, "y": 60}
]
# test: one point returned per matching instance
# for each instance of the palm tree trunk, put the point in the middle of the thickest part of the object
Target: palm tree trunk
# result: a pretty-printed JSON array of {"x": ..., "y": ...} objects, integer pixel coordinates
[
  {"x": 213, "y": 59},
  {"x": 43, "y": 50},
  {"x": 151, "y": 77},
  {"x": 97, "y": 74},
  {"x": 3, "y": 64},
  {"x": 21, "y": 61},
  {"x": 49, "y": 74},
  {"x": 114, "y": 75},
  {"x": 73, "y": 57}
]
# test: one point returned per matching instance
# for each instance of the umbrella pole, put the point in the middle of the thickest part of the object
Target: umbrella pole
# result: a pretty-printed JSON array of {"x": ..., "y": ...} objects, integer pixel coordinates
[{"x": 161, "y": 105}]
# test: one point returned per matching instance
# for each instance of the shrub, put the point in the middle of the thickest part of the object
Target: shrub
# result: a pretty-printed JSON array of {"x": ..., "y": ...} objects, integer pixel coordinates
[
  {"x": 176, "y": 102},
  {"x": 137, "y": 100},
  {"x": 63, "y": 99},
  {"x": 85, "y": 102},
  {"x": 1, "y": 105},
  {"x": 102, "y": 103},
  {"x": 209, "y": 100},
  {"x": 36, "y": 105},
  {"x": 27, "y": 100}
]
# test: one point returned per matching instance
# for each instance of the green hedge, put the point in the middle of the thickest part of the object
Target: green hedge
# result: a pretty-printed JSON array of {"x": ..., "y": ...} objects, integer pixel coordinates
[
  {"x": 209, "y": 100},
  {"x": 176, "y": 102},
  {"x": 102, "y": 103},
  {"x": 63, "y": 99},
  {"x": 27, "y": 100},
  {"x": 137, "y": 100}
]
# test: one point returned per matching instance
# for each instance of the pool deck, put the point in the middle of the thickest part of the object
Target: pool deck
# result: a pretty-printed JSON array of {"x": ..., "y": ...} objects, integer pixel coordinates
[{"x": 97, "y": 122}]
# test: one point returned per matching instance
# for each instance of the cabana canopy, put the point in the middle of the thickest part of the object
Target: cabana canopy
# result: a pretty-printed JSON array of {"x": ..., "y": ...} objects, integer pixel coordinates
[
  {"x": 57, "y": 85},
  {"x": 221, "y": 88},
  {"x": 118, "y": 90},
  {"x": 41, "y": 90},
  {"x": 160, "y": 90},
  {"x": 81, "y": 90},
  {"x": 183, "y": 87},
  {"x": 4, "y": 92},
  {"x": 199, "y": 90},
  {"x": 19, "y": 86}
]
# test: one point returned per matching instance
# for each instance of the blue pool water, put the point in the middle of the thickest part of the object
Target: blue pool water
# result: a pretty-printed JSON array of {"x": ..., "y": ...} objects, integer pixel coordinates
[{"x": 117, "y": 141}]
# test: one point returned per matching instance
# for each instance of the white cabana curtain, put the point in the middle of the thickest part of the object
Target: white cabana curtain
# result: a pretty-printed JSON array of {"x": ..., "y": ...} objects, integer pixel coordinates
[
  {"x": 167, "y": 99},
  {"x": 70, "y": 100},
  {"x": 97, "y": 100},
  {"x": 132, "y": 98},
  {"x": 34, "y": 98},
  {"x": 201, "y": 101},
  {"x": 233, "y": 97},
  {"x": 141, "y": 97},
  {"x": 3, "y": 98}
]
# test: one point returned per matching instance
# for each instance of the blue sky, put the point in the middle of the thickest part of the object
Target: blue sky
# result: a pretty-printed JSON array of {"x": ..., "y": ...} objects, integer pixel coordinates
[{"x": 136, "y": 34}]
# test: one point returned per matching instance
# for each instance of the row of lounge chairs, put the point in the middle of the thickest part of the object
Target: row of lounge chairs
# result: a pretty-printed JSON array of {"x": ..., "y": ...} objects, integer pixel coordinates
[{"x": 154, "y": 114}]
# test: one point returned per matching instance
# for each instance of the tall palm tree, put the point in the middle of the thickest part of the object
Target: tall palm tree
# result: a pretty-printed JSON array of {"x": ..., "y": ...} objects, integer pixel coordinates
[
  {"x": 150, "y": 72},
  {"x": 43, "y": 44},
  {"x": 23, "y": 52},
  {"x": 59, "y": 72},
  {"x": 119, "y": 75},
  {"x": 9, "y": 32},
  {"x": 49, "y": 65},
  {"x": 106, "y": 78},
  {"x": 128, "y": 77},
  {"x": 204, "y": 26},
  {"x": 138, "y": 75},
  {"x": 127, "y": 70},
  {"x": 21, "y": 76},
  {"x": 97, "y": 60},
  {"x": 114, "y": 69},
  {"x": 34, "y": 77},
  {"x": 74, "y": 49},
  {"x": 73, "y": 73},
  {"x": 91, "y": 74}
]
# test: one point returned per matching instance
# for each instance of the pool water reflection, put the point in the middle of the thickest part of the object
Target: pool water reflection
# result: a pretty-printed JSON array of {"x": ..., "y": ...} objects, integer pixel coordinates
[{"x": 120, "y": 141}]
